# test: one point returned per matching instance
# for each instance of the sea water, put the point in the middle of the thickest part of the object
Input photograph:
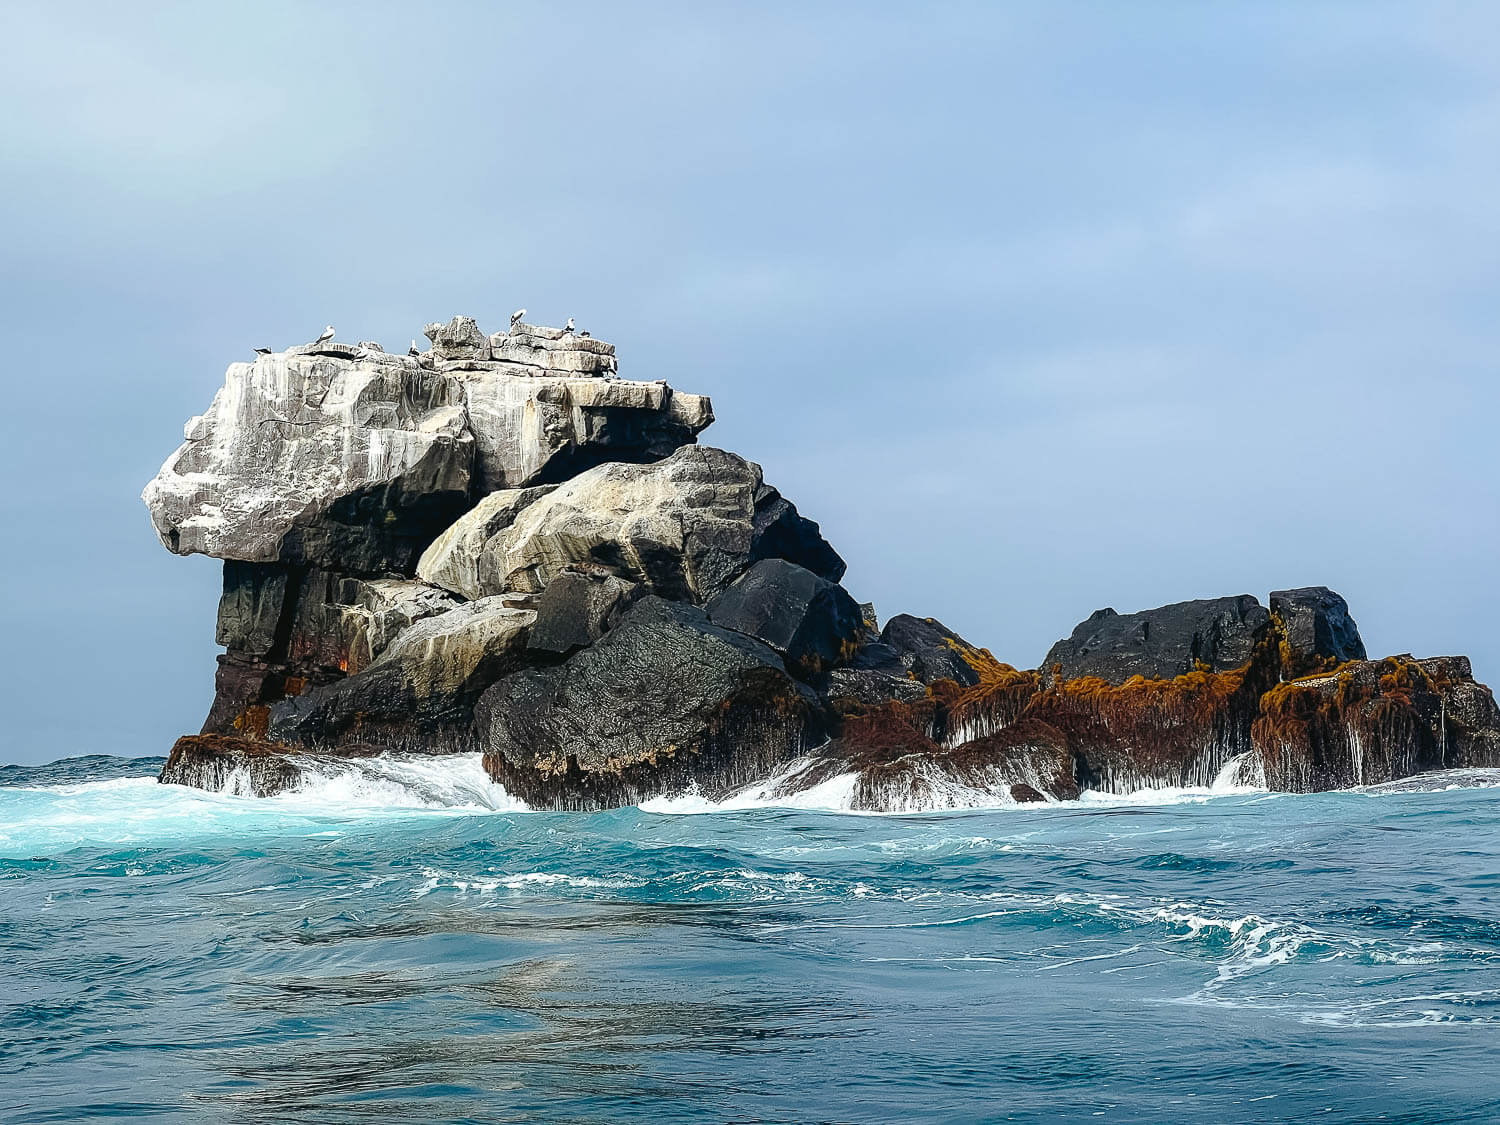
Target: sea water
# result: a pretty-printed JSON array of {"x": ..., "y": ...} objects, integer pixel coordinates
[{"x": 404, "y": 942}]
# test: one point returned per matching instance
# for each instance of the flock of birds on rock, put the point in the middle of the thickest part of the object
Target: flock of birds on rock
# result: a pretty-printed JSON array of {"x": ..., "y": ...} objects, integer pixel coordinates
[{"x": 515, "y": 319}]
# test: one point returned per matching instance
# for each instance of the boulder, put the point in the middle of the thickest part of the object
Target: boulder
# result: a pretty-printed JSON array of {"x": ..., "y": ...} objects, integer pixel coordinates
[
  {"x": 930, "y": 651},
  {"x": 418, "y": 695},
  {"x": 781, "y": 533},
  {"x": 460, "y": 338},
  {"x": 309, "y": 459},
  {"x": 240, "y": 767},
  {"x": 1316, "y": 630},
  {"x": 1217, "y": 634},
  {"x": 578, "y": 607},
  {"x": 875, "y": 675},
  {"x": 457, "y": 560},
  {"x": 663, "y": 700},
  {"x": 813, "y": 623},
  {"x": 685, "y": 527}
]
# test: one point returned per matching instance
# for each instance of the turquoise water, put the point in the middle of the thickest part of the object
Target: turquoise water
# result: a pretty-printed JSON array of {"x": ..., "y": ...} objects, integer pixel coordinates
[{"x": 413, "y": 947}]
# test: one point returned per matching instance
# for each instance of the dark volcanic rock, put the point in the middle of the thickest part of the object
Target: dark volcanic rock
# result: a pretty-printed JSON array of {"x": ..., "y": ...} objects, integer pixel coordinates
[
  {"x": 812, "y": 622},
  {"x": 246, "y": 767},
  {"x": 1316, "y": 628},
  {"x": 578, "y": 607},
  {"x": 1219, "y": 634},
  {"x": 781, "y": 533},
  {"x": 663, "y": 699},
  {"x": 250, "y": 609},
  {"x": 930, "y": 651},
  {"x": 875, "y": 675}
]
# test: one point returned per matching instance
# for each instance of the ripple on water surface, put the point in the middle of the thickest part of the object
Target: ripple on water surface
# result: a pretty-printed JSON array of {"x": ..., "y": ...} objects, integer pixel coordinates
[{"x": 415, "y": 946}]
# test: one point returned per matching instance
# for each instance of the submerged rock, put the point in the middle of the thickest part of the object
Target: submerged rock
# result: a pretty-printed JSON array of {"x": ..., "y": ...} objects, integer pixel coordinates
[
  {"x": 663, "y": 700},
  {"x": 891, "y": 766},
  {"x": 224, "y": 764}
]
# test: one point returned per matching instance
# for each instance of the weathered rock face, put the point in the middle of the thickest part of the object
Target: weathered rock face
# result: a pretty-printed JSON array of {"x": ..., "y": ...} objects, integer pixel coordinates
[
  {"x": 813, "y": 623},
  {"x": 548, "y": 427},
  {"x": 1375, "y": 721},
  {"x": 311, "y": 459},
  {"x": 1217, "y": 634},
  {"x": 684, "y": 527},
  {"x": 418, "y": 696},
  {"x": 663, "y": 699},
  {"x": 353, "y": 460},
  {"x": 874, "y": 675},
  {"x": 1316, "y": 628}
]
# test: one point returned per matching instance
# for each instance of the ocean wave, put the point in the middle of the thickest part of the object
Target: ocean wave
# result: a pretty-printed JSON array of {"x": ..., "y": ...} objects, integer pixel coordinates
[{"x": 47, "y": 816}]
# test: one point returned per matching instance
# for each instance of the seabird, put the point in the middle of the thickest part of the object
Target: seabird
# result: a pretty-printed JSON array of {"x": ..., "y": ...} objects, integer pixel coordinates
[
  {"x": 262, "y": 351},
  {"x": 413, "y": 349},
  {"x": 569, "y": 326},
  {"x": 515, "y": 317},
  {"x": 327, "y": 335},
  {"x": 583, "y": 335}
]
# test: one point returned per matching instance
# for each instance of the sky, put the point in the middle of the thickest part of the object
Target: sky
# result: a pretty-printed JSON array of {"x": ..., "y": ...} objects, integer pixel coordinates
[{"x": 1036, "y": 308}]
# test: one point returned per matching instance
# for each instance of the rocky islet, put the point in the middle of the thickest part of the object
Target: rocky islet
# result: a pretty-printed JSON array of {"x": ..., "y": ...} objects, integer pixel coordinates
[{"x": 501, "y": 546}]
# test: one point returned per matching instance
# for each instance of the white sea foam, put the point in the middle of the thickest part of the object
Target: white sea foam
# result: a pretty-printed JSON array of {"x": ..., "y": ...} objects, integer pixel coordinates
[
  {"x": 937, "y": 793},
  {"x": 138, "y": 810}
]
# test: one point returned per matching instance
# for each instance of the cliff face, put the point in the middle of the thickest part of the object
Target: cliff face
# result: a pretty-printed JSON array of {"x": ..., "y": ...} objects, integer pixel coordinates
[{"x": 498, "y": 545}]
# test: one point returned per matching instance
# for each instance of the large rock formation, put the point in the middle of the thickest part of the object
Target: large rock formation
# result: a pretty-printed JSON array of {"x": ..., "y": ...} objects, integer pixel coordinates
[{"x": 499, "y": 546}]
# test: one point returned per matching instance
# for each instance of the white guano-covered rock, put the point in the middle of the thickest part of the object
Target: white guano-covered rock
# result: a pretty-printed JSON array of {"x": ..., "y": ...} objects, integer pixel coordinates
[{"x": 316, "y": 459}]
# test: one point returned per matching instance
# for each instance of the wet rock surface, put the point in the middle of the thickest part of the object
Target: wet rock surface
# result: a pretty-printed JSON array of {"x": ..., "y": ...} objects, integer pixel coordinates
[{"x": 500, "y": 546}]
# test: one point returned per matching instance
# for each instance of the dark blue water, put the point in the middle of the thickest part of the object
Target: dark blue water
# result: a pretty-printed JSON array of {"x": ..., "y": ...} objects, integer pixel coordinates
[{"x": 398, "y": 951}]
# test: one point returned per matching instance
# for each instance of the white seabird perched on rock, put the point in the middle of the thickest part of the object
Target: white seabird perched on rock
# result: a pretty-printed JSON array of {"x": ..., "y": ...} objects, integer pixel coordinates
[
  {"x": 327, "y": 335},
  {"x": 413, "y": 349},
  {"x": 515, "y": 317},
  {"x": 262, "y": 351},
  {"x": 569, "y": 326}
]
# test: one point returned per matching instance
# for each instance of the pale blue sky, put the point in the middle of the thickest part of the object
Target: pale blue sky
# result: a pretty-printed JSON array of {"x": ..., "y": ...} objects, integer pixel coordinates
[{"x": 1037, "y": 308}]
